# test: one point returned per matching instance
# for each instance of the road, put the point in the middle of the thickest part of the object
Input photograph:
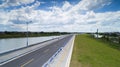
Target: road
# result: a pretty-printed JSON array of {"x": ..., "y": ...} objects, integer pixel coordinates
[{"x": 38, "y": 57}]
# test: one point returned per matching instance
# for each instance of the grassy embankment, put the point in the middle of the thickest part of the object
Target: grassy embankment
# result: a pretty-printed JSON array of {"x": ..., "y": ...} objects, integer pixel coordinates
[{"x": 90, "y": 52}]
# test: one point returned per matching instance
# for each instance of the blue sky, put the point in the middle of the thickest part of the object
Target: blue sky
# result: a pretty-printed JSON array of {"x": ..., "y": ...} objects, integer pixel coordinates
[{"x": 60, "y": 15}]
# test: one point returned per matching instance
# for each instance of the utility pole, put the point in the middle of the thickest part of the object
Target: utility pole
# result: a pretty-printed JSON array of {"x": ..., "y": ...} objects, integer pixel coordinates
[
  {"x": 27, "y": 32},
  {"x": 97, "y": 33}
]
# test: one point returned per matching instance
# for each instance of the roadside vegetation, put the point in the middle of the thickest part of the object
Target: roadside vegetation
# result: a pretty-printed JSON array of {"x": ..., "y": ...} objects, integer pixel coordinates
[
  {"x": 91, "y": 52},
  {"x": 7, "y": 34},
  {"x": 111, "y": 37}
]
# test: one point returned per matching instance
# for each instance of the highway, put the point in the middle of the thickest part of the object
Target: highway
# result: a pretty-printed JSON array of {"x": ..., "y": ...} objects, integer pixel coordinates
[{"x": 38, "y": 57}]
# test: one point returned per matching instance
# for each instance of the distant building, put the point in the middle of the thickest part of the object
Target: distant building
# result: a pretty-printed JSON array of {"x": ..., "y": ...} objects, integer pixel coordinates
[{"x": 98, "y": 36}]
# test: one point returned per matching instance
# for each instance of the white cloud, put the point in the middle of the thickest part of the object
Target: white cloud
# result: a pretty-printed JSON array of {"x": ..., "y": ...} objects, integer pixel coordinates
[
  {"x": 79, "y": 17},
  {"x": 8, "y": 3},
  {"x": 67, "y": 6},
  {"x": 92, "y": 4},
  {"x": 4, "y": 17}
]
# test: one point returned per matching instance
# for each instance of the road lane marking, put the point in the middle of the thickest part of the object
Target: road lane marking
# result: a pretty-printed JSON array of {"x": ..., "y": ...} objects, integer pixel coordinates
[
  {"x": 27, "y": 63},
  {"x": 46, "y": 50}
]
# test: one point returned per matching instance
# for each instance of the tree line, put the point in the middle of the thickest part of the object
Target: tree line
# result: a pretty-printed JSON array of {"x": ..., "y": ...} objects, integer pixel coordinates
[{"x": 15, "y": 34}]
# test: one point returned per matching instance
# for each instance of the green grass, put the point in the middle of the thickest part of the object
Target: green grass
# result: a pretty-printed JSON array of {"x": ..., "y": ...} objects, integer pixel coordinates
[{"x": 90, "y": 52}]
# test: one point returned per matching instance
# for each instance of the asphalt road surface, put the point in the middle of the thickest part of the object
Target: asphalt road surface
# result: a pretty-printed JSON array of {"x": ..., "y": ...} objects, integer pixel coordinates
[{"x": 38, "y": 57}]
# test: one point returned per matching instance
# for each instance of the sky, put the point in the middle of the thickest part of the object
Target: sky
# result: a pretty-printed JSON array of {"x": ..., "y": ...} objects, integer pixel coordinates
[{"x": 60, "y": 15}]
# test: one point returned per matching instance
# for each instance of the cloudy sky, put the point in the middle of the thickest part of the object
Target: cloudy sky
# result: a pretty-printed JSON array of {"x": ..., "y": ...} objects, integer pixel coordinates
[{"x": 60, "y": 15}]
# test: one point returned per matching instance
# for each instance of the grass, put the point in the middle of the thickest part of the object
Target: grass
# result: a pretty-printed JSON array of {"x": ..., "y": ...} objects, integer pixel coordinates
[{"x": 90, "y": 52}]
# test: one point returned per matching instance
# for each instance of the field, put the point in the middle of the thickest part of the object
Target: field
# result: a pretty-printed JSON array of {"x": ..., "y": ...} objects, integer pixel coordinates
[{"x": 90, "y": 52}]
